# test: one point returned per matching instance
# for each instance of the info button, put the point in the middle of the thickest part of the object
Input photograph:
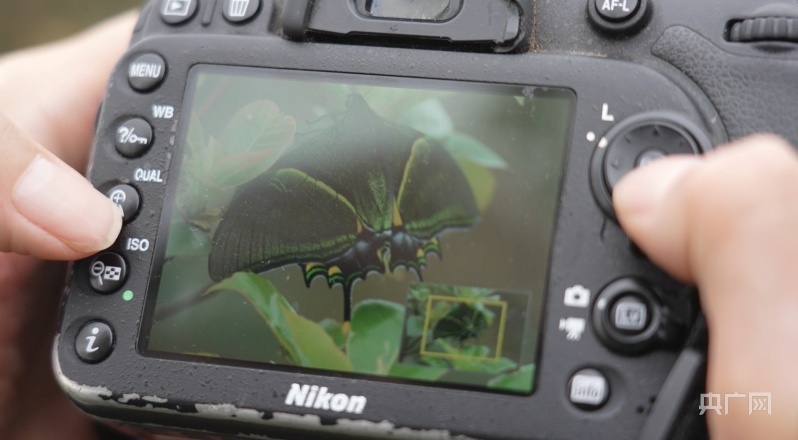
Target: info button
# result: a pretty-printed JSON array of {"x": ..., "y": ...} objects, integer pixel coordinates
[{"x": 588, "y": 389}]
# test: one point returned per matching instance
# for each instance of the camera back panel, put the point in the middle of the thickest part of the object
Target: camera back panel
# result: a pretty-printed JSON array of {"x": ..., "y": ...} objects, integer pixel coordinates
[{"x": 377, "y": 234}]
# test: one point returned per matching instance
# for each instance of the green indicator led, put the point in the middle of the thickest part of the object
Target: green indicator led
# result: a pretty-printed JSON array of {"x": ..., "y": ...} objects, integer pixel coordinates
[{"x": 127, "y": 296}]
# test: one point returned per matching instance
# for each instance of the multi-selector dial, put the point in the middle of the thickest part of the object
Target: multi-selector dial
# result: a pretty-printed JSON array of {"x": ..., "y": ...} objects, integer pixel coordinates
[
  {"x": 636, "y": 142},
  {"x": 629, "y": 316}
]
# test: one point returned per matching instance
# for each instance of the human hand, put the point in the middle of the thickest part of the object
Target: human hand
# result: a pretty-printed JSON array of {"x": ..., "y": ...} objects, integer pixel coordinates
[
  {"x": 728, "y": 222},
  {"x": 48, "y": 100}
]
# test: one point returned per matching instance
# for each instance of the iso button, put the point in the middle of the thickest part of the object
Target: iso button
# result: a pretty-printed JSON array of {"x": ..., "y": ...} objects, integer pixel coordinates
[
  {"x": 146, "y": 72},
  {"x": 108, "y": 272},
  {"x": 133, "y": 138}
]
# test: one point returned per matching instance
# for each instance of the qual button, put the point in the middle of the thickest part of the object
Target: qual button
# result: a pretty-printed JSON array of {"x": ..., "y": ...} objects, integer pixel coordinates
[
  {"x": 127, "y": 199},
  {"x": 146, "y": 72}
]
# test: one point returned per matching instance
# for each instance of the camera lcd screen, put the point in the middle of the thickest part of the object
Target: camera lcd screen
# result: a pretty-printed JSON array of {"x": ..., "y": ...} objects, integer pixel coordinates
[{"x": 372, "y": 226}]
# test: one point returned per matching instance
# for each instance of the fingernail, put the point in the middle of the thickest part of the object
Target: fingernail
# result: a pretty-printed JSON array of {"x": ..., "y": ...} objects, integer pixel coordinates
[
  {"x": 642, "y": 192},
  {"x": 64, "y": 204}
]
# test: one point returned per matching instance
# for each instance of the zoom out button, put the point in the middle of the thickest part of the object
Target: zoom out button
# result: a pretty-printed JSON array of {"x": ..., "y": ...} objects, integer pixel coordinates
[{"x": 108, "y": 272}]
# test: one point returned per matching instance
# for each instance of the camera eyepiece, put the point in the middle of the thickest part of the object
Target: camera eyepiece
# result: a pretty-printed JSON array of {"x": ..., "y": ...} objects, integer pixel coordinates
[{"x": 428, "y": 10}]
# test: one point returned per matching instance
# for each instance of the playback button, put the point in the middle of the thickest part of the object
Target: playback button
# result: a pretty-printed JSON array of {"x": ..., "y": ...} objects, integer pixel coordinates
[
  {"x": 133, "y": 138},
  {"x": 108, "y": 272}
]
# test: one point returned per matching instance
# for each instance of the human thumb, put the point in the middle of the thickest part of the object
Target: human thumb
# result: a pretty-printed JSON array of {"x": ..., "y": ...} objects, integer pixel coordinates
[
  {"x": 47, "y": 209},
  {"x": 727, "y": 222}
]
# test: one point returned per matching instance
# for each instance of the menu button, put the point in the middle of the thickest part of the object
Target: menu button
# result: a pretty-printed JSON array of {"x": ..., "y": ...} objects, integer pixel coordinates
[{"x": 146, "y": 72}]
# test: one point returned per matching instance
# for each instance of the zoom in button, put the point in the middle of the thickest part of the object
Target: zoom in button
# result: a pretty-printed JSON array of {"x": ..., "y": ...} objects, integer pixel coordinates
[
  {"x": 127, "y": 199},
  {"x": 108, "y": 272}
]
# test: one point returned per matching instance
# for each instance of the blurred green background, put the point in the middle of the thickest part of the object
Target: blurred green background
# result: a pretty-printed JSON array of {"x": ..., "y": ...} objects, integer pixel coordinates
[{"x": 28, "y": 22}]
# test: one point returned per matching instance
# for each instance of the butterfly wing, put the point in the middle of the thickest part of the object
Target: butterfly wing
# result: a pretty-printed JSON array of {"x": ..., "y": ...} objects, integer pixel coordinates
[{"x": 282, "y": 218}]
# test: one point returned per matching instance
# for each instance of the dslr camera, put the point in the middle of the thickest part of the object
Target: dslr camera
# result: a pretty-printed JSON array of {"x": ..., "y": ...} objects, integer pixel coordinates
[{"x": 392, "y": 219}]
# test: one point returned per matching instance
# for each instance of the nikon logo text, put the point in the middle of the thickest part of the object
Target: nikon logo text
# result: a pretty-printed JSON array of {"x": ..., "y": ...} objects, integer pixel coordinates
[{"x": 316, "y": 397}]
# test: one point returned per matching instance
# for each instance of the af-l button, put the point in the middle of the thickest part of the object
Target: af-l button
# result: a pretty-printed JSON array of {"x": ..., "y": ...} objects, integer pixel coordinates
[{"x": 617, "y": 10}]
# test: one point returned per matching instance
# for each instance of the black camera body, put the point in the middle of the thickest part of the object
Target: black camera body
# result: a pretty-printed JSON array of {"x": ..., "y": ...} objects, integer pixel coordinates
[{"x": 393, "y": 219}]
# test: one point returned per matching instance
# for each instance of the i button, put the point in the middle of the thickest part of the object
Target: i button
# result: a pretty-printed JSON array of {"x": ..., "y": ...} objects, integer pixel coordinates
[{"x": 94, "y": 342}]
